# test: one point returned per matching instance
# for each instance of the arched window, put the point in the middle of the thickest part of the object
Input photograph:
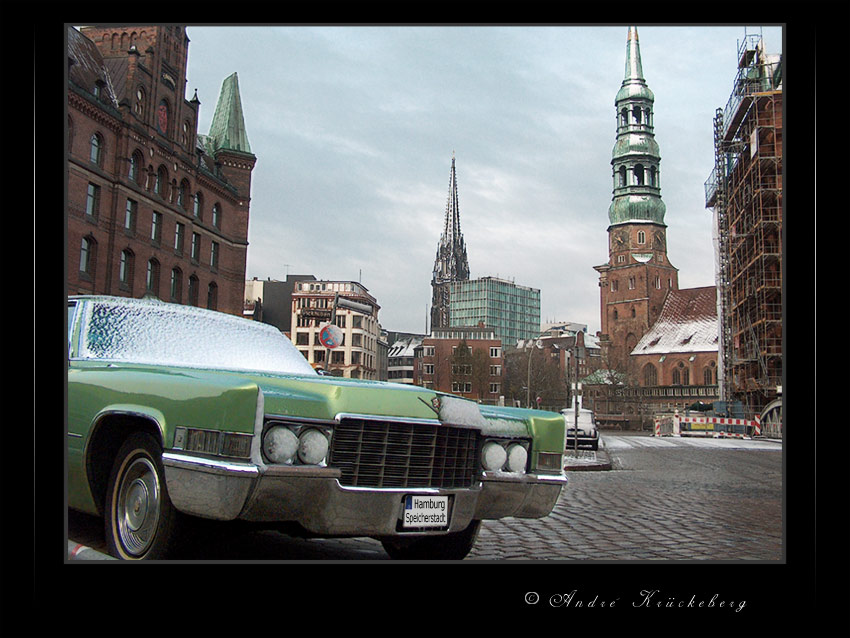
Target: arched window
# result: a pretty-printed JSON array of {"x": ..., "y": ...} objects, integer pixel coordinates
[
  {"x": 125, "y": 269},
  {"x": 677, "y": 377},
  {"x": 176, "y": 285},
  {"x": 193, "y": 290},
  {"x": 88, "y": 249},
  {"x": 152, "y": 279},
  {"x": 198, "y": 206},
  {"x": 161, "y": 183},
  {"x": 624, "y": 117},
  {"x": 653, "y": 176},
  {"x": 216, "y": 215},
  {"x": 96, "y": 149},
  {"x": 707, "y": 377},
  {"x": 641, "y": 237},
  {"x": 183, "y": 194},
  {"x": 139, "y": 105},
  {"x": 622, "y": 181},
  {"x": 212, "y": 296},
  {"x": 636, "y": 114},
  {"x": 638, "y": 173},
  {"x": 650, "y": 375}
]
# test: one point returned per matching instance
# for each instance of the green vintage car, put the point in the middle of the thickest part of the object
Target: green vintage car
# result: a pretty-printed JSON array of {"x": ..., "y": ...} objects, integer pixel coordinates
[{"x": 175, "y": 412}]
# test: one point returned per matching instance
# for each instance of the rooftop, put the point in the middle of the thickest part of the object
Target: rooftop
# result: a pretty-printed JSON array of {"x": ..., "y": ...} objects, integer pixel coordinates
[{"x": 688, "y": 323}]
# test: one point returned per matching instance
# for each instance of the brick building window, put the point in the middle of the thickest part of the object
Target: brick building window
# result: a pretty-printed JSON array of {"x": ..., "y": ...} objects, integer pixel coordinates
[
  {"x": 216, "y": 215},
  {"x": 92, "y": 200},
  {"x": 125, "y": 270},
  {"x": 176, "y": 285},
  {"x": 212, "y": 296},
  {"x": 130, "y": 213},
  {"x": 96, "y": 149},
  {"x": 152, "y": 279},
  {"x": 156, "y": 228},
  {"x": 196, "y": 247},
  {"x": 135, "y": 167},
  {"x": 650, "y": 375},
  {"x": 87, "y": 257},
  {"x": 193, "y": 290},
  {"x": 197, "y": 206},
  {"x": 179, "y": 234}
]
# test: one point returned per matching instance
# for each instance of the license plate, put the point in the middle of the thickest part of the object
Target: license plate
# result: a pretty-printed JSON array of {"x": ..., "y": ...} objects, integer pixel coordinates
[{"x": 425, "y": 511}]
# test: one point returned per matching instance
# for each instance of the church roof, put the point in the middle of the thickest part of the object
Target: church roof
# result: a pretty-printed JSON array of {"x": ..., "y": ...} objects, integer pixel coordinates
[
  {"x": 687, "y": 323},
  {"x": 227, "y": 130}
]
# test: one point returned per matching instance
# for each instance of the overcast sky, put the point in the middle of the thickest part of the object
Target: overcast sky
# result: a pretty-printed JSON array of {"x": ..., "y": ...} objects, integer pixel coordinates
[{"x": 354, "y": 130}]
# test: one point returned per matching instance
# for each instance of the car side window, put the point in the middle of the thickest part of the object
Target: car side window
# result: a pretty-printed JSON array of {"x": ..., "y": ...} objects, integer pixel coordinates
[{"x": 72, "y": 309}]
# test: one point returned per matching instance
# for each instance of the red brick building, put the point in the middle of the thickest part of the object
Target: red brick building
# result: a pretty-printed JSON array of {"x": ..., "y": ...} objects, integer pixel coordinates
[
  {"x": 467, "y": 361},
  {"x": 152, "y": 207}
]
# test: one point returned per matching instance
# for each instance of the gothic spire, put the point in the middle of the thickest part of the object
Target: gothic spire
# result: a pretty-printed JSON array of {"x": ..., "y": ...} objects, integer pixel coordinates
[{"x": 451, "y": 263}]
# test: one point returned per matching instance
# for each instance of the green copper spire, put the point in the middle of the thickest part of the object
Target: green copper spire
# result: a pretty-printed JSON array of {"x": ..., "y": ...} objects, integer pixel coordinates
[
  {"x": 636, "y": 158},
  {"x": 227, "y": 130}
]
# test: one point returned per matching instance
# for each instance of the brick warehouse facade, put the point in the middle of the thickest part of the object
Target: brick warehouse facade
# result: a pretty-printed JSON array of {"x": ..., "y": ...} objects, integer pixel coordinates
[{"x": 152, "y": 207}]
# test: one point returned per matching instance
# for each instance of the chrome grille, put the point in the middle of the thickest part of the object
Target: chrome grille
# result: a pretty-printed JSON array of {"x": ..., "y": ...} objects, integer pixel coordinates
[{"x": 389, "y": 454}]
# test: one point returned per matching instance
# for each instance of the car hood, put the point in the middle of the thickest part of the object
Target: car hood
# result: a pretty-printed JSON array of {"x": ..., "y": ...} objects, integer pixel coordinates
[{"x": 328, "y": 397}]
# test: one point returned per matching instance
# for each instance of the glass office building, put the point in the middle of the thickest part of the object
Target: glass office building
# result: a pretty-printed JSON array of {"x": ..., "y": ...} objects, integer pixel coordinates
[{"x": 512, "y": 311}]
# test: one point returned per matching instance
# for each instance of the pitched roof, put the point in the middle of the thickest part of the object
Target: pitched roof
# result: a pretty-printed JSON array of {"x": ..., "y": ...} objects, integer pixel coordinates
[
  {"x": 87, "y": 65},
  {"x": 688, "y": 323},
  {"x": 227, "y": 130}
]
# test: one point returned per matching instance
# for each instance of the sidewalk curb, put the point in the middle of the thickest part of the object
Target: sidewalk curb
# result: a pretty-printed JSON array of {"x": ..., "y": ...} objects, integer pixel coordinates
[
  {"x": 601, "y": 462},
  {"x": 76, "y": 551}
]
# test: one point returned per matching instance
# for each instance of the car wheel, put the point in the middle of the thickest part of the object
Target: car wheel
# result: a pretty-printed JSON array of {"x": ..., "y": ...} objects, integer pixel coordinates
[
  {"x": 140, "y": 519},
  {"x": 454, "y": 546}
]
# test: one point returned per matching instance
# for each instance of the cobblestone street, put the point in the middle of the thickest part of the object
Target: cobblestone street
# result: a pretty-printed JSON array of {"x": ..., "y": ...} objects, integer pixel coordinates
[{"x": 658, "y": 503}]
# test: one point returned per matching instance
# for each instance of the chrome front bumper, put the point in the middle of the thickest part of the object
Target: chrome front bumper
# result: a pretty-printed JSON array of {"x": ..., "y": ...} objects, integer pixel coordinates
[{"x": 314, "y": 497}]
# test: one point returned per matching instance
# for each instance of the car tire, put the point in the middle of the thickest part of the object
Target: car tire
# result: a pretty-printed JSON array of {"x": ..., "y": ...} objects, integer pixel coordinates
[
  {"x": 454, "y": 546},
  {"x": 140, "y": 521}
]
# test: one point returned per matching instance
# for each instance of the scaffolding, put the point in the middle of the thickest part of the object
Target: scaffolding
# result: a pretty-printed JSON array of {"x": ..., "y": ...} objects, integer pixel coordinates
[{"x": 745, "y": 192}]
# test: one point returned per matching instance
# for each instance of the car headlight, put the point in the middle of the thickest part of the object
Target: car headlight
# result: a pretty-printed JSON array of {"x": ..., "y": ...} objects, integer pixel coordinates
[
  {"x": 504, "y": 456},
  {"x": 280, "y": 445},
  {"x": 312, "y": 447},
  {"x": 493, "y": 456},
  {"x": 517, "y": 458}
]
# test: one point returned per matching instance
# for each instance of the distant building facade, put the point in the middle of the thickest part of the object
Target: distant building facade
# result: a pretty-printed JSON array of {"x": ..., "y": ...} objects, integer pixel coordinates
[
  {"x": 270, "y": 300},
  {"x": 466, "y": 361},
  {"x": 512, "y": 311},
  {"x": 153, "y": 208},
  {"x": 401, "y": 358},
  {"x": 312, "y": 304}
]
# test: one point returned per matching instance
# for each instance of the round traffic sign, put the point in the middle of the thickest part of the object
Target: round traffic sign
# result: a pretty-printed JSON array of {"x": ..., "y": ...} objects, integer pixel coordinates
[{"x": 330, "y": 335}]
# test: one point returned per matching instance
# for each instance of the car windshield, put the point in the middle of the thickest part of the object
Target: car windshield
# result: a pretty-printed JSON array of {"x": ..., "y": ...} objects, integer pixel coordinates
[{"x": 175, "y": 335}]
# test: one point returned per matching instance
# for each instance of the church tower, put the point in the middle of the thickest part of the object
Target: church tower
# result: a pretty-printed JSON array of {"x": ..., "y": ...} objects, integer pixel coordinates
[
  {"x": 636, "y": 278},
  {"x": 451, "y": 263}
]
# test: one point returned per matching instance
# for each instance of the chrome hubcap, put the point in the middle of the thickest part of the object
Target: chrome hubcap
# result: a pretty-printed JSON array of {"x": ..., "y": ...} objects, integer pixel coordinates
[{"x": 137, "y": 514}]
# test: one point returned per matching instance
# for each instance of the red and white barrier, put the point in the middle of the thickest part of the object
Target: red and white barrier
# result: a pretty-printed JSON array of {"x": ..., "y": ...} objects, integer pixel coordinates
[{"x": 672, "y": 426}]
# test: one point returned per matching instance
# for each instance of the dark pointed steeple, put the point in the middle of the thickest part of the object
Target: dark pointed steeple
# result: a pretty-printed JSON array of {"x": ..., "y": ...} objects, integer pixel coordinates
[{"x": 451, "y": 263}]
